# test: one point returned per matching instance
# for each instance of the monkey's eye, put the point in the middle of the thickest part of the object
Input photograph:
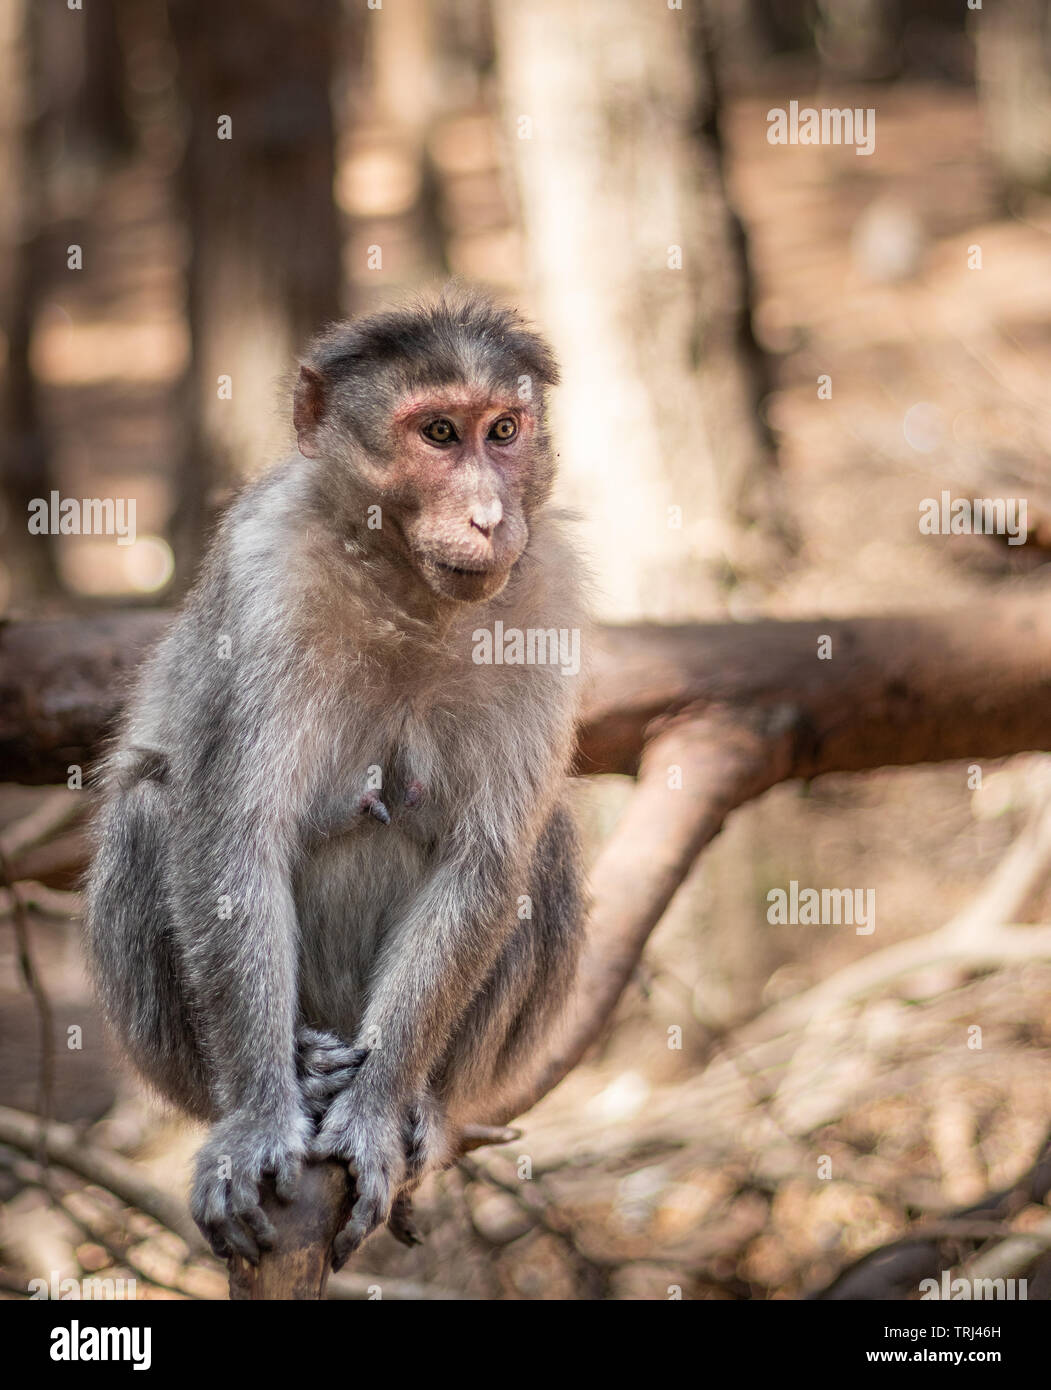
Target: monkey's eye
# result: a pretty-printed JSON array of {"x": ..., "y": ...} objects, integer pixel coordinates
[
  {"x": 504, "y": 430},
  {"x": 439, "y": 432}
]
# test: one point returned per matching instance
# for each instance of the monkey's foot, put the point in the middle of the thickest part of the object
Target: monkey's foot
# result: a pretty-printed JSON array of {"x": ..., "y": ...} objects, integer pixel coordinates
[{"x": 325, "y": 1065}]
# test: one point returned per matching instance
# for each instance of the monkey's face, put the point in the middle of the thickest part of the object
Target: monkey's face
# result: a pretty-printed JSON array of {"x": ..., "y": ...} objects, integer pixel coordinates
[
  {"x": 418, "y": 421},
  {"x": 465, "y": 470}
]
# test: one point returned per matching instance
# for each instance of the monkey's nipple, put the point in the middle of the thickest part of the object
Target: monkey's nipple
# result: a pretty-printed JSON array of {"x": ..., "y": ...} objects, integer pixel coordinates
[
  {"x": 371, "y": 805},
  {"x": 414, "y": 794}
]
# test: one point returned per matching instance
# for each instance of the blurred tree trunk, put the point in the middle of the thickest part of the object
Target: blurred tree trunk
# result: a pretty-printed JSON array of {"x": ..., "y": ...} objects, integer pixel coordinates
[
  {"x": 642, "y": 279},
  {"x": 861, "y": 38},
  {"x": 1013, "y": 51},
  {"x": 388, "y": 183},
  {"x": 102, "y": 92},
  {"x": 63, "y": 119},
  {"x": 265, "y": 262},
  {"x": 24, "y": 457}
]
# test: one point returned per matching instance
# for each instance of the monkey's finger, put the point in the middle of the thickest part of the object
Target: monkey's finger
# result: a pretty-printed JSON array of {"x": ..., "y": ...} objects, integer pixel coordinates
[
  {"x": 286, "y": 1179},
  {"x": 216, "y": 1243},
  {"x": 401, "y": 1225},
  {"x": 321, "y": 1052},
  {"x": 327, "y": 1142},
  {"x": 325, "y": 1087},
  {"x": 347, "y": 1059},
  {"x": 210, "y": 1206},
  {"x": 241, "y": 1240},
  {"x": 341, "y": 1252},
  {"x": 343, "y": 1058},
  {"x": 477, "y": 1136},
  {"x": 346, "y": 1244},
  {"x": 319, "y": 1100},
  {"x": 368, "y": 1213},
  {"x": 365, "y": 1217},
  {"x": 235, "y": 1240},
  {"x": 259, "y": 1226},
  {"x": 406, "y": 1233},
  {"x": 320, "y": 1146}
]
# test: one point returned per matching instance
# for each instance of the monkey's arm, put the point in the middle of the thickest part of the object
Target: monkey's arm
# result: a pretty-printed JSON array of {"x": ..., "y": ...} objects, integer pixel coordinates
[
  {"x": 234, "y": 916},
  {"x": 432, "y": 966}
]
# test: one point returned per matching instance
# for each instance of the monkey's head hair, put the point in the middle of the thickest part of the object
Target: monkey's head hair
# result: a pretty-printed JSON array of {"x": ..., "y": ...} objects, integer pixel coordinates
[{"x": 365, "y": 366}]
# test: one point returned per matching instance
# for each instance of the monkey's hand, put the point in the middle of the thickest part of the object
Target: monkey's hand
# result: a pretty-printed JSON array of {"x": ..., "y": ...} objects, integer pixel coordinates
[
  {"x": 426, "y": 1137},
  {"x": 427, "y": 1146},
  {"x": 370, "y": 1138},
  {"x": 242, "y": 1151},
  {"x": 325, "y": 1066},
  {"x": 387, "y": 1151}
]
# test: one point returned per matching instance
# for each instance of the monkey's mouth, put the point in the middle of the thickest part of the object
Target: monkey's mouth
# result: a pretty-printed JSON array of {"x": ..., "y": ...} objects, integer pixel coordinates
[
  {"x": 455, "y": 569},
  {"x": 464, "y": 583}
]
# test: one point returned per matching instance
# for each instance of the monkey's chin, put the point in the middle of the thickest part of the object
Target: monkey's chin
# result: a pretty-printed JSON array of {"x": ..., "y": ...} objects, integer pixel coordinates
[{"x": 463, "y": 585}]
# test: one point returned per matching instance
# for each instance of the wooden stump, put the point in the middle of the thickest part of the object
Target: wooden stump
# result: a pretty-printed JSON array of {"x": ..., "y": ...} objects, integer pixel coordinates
[{"x": 298, "y": 1265}]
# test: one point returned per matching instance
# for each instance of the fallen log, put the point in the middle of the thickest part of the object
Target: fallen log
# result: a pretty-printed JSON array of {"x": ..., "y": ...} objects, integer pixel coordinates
[{"x": 967, "y": 682}]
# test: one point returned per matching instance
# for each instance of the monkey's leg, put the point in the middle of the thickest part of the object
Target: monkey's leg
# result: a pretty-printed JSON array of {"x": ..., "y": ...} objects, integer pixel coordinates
[
  {"x": 529, "y": 984},
  {"x": 134, "y": 956},
  {"x": 520, "y": 1001}
]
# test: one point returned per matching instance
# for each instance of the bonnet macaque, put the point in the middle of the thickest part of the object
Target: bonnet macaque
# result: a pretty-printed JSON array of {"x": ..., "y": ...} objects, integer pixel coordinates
[{"x": 335, "y": 903}]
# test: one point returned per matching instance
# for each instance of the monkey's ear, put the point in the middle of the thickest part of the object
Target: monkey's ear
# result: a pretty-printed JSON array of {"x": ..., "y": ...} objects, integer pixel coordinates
[{"x": 308, "y": 406}]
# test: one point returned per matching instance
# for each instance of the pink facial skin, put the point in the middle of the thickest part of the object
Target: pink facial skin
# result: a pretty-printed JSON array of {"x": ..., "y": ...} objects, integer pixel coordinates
[{"x": 461, "y": 501}]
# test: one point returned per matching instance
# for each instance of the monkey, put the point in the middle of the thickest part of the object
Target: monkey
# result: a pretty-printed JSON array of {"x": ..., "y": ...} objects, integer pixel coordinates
[{"x": 335, "y": 901}]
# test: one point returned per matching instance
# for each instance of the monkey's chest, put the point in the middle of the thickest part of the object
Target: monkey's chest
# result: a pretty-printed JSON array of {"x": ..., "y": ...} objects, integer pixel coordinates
[
  {"x": 395, "y": 778},
  {"x": 369, "y": 844}
]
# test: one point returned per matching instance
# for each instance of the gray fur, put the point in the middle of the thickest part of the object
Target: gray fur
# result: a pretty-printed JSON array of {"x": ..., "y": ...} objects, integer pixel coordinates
[{"x": 372, "y": 986}]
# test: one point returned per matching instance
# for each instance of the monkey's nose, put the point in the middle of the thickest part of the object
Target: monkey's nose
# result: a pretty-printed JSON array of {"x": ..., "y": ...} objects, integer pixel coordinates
[{"x": 486, "y": 516}]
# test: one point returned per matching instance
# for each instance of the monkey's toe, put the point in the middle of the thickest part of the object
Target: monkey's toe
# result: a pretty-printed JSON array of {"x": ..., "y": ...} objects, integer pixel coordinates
[
  {"x": 400, "y": 1223},
  {"x": 260, "y": 1226}
]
